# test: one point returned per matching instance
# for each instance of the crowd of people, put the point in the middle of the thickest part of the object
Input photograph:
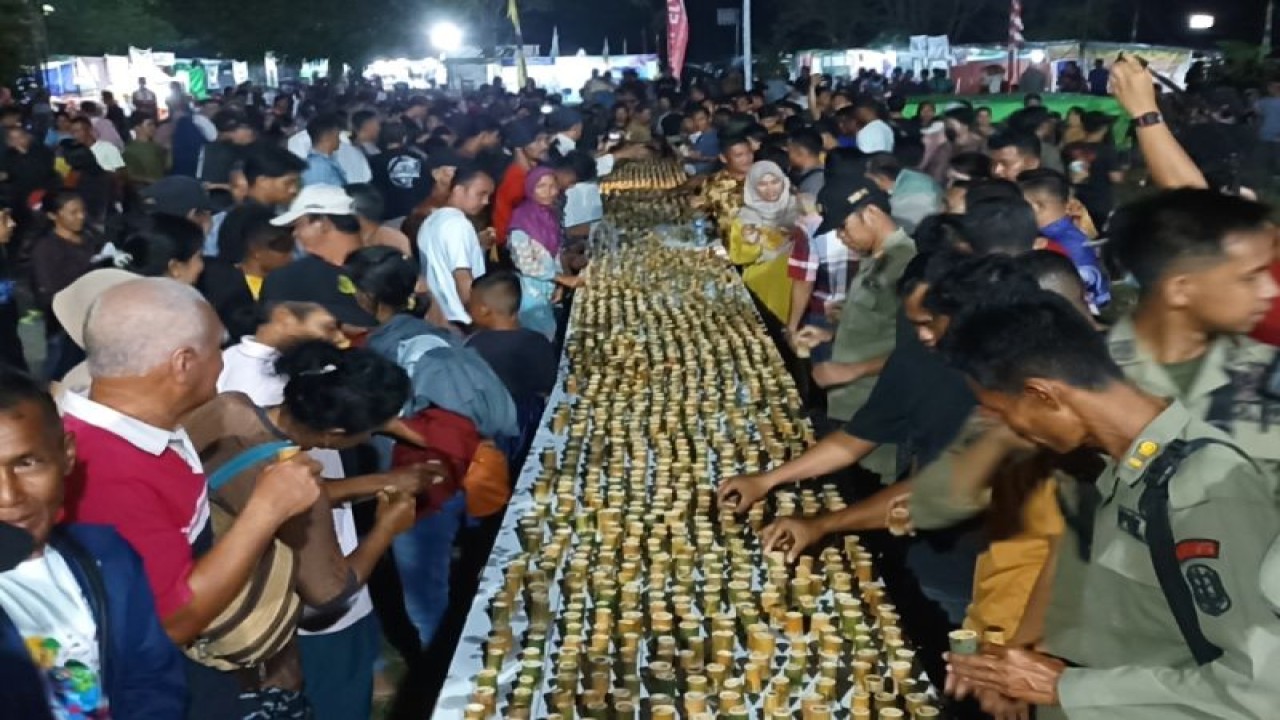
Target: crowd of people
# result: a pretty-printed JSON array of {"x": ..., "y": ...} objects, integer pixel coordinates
[{"x": 294, "y": 343}]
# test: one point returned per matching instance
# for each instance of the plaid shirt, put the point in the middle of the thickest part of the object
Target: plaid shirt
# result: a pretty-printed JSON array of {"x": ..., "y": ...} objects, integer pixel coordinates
[{"x": 825, "y": 262}]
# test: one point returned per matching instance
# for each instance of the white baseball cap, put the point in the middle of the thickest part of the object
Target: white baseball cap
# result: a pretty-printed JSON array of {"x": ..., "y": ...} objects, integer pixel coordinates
[{"x": 317, "y": 200}]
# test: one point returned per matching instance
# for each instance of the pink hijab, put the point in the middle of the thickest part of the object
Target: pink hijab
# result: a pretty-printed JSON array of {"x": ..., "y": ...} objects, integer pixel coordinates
[{"x": 540, "y": 222}]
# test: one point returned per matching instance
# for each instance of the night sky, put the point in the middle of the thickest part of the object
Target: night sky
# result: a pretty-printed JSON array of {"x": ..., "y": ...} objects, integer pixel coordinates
[{"x": 1161, "y": 22}]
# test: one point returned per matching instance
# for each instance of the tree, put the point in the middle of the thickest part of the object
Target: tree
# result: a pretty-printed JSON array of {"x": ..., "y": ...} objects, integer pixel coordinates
[
  {"x": 18, "y": 37},
  {"x": 94, "y": 27},
  {"x": 821, "y": 23}
]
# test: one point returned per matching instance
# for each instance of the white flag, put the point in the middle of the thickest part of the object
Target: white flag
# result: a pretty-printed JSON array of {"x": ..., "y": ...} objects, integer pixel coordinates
[
  {"x": 555, "y": 41},
  {"x": 606, "y": 49},
  {"x": 624, "y": 46}
]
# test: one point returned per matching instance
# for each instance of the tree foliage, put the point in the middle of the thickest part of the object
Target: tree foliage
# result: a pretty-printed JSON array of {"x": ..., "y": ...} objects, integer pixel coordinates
[
  {"x": 95, "y": 27},
  {"x": 18, "y": 37},
  {"x": 822, "y": 23}
]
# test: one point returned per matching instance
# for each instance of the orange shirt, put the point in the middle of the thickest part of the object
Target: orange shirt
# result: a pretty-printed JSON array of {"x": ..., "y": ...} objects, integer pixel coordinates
[{"x": 510, "y": 194}]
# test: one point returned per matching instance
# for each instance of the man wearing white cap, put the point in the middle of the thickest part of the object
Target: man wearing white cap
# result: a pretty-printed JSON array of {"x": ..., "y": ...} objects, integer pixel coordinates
[{"x": 327, "y": 230}]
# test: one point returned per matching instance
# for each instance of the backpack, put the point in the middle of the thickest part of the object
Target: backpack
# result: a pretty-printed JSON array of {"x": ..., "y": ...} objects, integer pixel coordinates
[
  {"x": 476, "y": 465},
  {"x": 263, "y": 617}
]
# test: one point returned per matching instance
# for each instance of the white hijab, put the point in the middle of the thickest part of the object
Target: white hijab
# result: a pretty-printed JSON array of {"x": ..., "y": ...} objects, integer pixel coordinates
[{"x": 781, "y": 213}]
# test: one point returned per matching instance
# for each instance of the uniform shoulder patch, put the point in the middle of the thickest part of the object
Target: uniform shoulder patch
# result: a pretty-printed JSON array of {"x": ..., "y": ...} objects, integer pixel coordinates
[
  {"x": 1197, "y": 550},
  {"x": 1207, "y": 589}
]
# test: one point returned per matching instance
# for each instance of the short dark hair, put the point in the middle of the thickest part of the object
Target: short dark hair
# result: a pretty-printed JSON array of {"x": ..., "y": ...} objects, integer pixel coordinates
[
  {"x": 150, "y": 242},
  {"x": 383, "y": 274},
  {"x": 1052, "y": 269},
  {"x": 731, "y": 140},
  {"x": 138, "y": 118},
  {"x": 500, "y": 291},
  {"x": 1044, "y": 181},
  {"x": 999, "y": 225},
  {"x": 977, "y": 280},
  {"x": 322, "y": 125},
  {"x": 369, "y": 202},
  {"x": 927, "y": 268},
  {"x": 884, "y": 164},
  {"x": 393, "y": 133},
  {"x": 466, "y": 173},
  {"x": 17, "y": 387},
  {"x": 962, "y": 115},
  {"x": 975, "y": 165},
  {"x": 581, "y": 164},
  {"x": 1150, "y": 236},
  {"x": 1027, "y": 144},
  {"x": 361, "y": 117},
  {"x": 262, "y": 234},
  {"x": 353, "y": 390},
  {"x": 845, "y": 162},
  {"x": 807, "y": 139},
  {"x": 82, "y": 120},
  {"x": 270, "y": 161},
  {"x": 1001, "y": 346}
]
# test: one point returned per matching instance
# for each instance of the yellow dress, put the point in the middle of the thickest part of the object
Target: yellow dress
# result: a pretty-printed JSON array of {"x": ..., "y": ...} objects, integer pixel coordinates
[{"x": 765, "y": 264}]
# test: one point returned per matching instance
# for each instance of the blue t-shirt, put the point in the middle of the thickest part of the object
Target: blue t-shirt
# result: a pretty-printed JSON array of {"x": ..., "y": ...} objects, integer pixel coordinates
[
  {"x": 1269, "y": 110},
  {"x": 1070, "y": 238}
]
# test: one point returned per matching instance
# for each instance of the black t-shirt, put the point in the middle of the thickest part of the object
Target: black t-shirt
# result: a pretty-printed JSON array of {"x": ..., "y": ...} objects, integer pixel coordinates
[
  {"x": 919, "y": 402},
  {"x": 402, "y": 178},
  {"x": 224, "y": 286},
  {"x": 523, "y": 359},
  {"x": 1089, "y": 167},
  {"x": 219, "y": 158}
]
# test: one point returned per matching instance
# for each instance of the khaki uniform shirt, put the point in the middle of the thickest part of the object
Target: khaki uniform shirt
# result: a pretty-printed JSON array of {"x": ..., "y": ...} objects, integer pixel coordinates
[
  {"x": 867, "y": 331},
  {"x": 1135, "y": 661},
  {"x": 867, "y": 328},
  {"x": 1224, "y": 393}
]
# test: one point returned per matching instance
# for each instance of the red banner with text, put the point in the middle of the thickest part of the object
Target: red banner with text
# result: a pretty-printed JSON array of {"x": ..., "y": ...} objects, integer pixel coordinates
[{"x": 677, "y": 35}]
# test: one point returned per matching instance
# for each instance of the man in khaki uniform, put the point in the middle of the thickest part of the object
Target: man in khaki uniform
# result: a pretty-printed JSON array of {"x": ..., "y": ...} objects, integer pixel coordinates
[
  {"x": 1043, "y": 369},
  {"x": 866, "y": 333}
]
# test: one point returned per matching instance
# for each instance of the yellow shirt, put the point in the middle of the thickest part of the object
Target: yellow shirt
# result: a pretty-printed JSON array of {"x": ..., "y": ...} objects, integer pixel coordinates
[
  {"x": 255, "y": 285},
  {"x": 1006, "y": 574}
]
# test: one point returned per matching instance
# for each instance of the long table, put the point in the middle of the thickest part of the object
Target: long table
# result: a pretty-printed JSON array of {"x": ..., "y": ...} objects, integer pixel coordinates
[{"x": 681, "y": 316}]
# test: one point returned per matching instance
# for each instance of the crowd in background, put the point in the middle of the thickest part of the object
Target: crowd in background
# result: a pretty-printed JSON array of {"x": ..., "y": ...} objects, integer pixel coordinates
[{"x": 379, "y": 279}]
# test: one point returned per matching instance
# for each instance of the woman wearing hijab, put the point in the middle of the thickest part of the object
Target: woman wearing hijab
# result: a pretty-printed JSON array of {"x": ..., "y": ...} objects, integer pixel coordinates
[
  {"x": 760, "y": 237},
  {"x": 534, "y": 241}
]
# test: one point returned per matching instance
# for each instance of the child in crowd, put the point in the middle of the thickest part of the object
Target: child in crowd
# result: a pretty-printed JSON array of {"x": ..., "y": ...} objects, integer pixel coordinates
[
  {"x": 1048, "y": 193},
  {"x": 525, "y": 360}
]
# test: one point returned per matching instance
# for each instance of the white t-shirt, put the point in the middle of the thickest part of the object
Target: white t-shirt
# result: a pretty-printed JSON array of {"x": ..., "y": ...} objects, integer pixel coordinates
[
  {"x": 249, "y": 367},
  {"x": 107, "y": 155},
  {"x": 877, "y": 136},
  {"x": 448, "y": 242},
  {"x": 45, "y": 604}
]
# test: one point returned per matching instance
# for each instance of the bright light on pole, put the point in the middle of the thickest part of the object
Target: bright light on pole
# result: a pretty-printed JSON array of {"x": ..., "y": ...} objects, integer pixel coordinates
[
  {"x": 445, "y": 37},
  {"x": 47, "y": 9},
  {"x": 1200, "y": 21}
]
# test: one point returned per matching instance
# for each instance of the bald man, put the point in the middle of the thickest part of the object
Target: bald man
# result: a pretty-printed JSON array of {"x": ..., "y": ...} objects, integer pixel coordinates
[{"x": 154, "y": 355}]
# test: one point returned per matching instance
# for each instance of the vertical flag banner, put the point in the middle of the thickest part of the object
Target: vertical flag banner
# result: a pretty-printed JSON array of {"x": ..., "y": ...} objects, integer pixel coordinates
[
  {"x": 522, "y": 71},
  {"x": 677, "y": 36},
  {"x": 1016, "y": 40},
  {"x": 555, "y": 41}
]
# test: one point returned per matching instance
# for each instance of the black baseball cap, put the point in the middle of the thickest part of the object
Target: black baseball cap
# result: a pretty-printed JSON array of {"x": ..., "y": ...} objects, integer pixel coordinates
[
  {"x": 176, "y": 195},
  {"x": 522, "y": 132},
  {"x": 843, "y": 196},
  {"x": 312, "y": 279}
]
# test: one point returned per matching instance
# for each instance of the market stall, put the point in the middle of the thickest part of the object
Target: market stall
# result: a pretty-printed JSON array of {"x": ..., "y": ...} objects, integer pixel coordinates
[{"x": 616, "y": 588}]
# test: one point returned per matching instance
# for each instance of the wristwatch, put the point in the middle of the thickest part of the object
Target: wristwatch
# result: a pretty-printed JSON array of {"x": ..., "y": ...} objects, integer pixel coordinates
[{"x": 1148, "y": 119}]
